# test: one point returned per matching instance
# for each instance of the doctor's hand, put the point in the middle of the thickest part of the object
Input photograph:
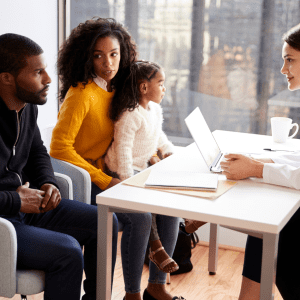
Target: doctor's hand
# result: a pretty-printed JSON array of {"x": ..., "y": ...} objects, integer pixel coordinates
[
  {"x": 52, "y": 197},
  {"x": 31, "y": 199},
  {"x": 238, "y": 166}
]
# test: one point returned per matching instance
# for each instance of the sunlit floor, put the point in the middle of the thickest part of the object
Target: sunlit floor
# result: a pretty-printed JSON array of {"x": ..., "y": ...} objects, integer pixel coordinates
[{"x": 197, "y": 284}]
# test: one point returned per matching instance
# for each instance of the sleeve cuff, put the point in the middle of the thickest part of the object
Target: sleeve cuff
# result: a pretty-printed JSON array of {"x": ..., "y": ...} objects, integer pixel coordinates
[{"x": 16, "y": 203}]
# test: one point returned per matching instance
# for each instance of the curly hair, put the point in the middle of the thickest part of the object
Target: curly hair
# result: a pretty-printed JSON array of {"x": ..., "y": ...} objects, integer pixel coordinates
[
  {"x": 292, "y": 37},
  {"x": 128, "y": 95},
  {"x": 75, "y": 58}
]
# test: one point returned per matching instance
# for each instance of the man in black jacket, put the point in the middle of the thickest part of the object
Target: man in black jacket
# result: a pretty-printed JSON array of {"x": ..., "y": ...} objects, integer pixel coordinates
[{"x": 50, "y": 230}]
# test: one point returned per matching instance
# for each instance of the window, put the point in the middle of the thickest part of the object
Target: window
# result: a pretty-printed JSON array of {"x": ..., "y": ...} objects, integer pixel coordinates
[{"x": 216, "y": 55}]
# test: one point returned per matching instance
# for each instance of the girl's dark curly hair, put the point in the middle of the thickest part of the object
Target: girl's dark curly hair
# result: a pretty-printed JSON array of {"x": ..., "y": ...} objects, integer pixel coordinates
[
  {"x": 75, "y": 58},
  {"x": 128, "y": 94}
]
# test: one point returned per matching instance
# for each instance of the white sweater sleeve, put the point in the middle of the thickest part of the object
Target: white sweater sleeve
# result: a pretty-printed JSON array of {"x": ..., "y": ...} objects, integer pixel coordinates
[
  {"x": 285, "y": 171},
  {"x": 124, "y": 134},
  {"x": 164, "y": 145}
]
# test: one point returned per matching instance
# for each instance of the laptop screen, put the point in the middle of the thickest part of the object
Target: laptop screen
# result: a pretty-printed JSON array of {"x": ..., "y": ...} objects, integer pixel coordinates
[{"x": 202, "y": 136}]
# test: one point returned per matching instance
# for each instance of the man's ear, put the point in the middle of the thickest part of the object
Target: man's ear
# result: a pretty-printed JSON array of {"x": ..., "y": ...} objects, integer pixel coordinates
[
  {"x": 7, "y": 78},
  {"x": 143, "y": 88}
]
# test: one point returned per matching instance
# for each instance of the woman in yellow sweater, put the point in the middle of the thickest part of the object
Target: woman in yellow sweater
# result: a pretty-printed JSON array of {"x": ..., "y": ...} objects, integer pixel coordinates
[{"x": 91, "y": 64}]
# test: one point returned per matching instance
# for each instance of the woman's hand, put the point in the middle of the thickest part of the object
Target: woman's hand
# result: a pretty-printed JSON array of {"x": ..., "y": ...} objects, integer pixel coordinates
[
  {"x": 238, "y": 166},
  {"x": 113, "y": 182}
]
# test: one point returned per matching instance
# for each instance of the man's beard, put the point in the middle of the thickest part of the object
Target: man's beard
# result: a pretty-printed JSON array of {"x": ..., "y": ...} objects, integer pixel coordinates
[{"x": 30, "y": 97}]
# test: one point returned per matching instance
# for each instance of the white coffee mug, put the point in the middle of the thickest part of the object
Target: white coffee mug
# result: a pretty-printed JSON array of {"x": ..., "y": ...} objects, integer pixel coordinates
[{"x": 281, "y": 128}]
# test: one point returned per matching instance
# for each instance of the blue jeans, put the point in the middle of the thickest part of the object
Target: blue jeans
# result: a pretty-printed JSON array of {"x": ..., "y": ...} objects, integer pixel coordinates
[
  {"x": 52, "y": 242},
  {"x": 167, "y": 228},
  {"x": 134, "y": 243}
]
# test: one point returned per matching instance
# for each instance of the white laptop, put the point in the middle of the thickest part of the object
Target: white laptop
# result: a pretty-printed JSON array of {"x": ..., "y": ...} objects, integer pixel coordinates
[{"x": 204, "y": 140}]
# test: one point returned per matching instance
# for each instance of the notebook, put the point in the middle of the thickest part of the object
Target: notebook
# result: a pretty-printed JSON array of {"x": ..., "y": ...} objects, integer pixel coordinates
[
  {"x": 182, "y": 180},
  {"x": 204, "y": 140}
]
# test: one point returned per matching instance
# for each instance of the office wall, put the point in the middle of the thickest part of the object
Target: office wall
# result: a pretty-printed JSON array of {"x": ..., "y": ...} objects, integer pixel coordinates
[
  {"x": 226, "y": 236},
  {"x": 36, "y": 19}
]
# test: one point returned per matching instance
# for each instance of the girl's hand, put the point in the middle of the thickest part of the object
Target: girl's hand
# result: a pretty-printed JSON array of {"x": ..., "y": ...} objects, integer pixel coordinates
[
  {"x": 167, "y": 154},
  {"x": 113, "y": 182},
  {"x": 153, "y": 160},
  {"x": 238, "y": 166}
]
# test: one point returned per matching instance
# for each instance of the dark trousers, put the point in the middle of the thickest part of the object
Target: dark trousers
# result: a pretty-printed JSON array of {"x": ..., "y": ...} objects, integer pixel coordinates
[
  {"x": 288, "y": 260},
  {"x": 52, "y": 242}
]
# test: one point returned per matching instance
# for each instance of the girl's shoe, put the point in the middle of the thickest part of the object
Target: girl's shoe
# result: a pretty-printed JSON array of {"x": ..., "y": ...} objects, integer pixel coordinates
[
  {"x": 147, "y": 296},
  {"x": 192, "y": 225},
  {"x": 163, "y": 264}
]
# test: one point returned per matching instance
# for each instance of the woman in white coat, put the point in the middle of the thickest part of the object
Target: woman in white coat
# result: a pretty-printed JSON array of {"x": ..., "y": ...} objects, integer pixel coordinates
[{"x": 283, "y": 170}]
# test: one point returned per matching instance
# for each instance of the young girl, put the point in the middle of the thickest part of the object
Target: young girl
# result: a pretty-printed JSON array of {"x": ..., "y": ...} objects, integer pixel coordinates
[{"x": 137, "y": 135}]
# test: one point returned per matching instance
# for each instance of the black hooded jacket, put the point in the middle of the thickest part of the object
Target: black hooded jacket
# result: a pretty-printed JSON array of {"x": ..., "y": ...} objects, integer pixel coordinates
[{"x": 23, "y": 157}]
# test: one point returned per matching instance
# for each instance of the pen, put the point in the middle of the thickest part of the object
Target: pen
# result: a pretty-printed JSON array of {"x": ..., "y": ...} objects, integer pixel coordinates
[{"x": 268, "y": 149}]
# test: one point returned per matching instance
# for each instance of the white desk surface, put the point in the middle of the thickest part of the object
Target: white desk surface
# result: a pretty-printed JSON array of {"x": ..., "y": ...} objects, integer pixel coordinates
[{"x": 250, "y": 204}]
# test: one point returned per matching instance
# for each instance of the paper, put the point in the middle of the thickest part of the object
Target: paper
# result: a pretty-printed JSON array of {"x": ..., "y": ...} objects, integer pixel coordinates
[
  {"x": 182, "y": 180},
  {"x": 140, "y": 179}
]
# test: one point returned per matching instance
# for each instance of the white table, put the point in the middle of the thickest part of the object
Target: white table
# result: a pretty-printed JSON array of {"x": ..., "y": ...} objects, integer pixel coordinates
[{"x": 251, "y": 207}]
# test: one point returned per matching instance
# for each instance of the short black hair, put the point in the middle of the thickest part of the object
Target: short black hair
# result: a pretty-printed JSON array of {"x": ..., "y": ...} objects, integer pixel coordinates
[
  {"x": 292, "y": 37},
  {"x": 14, "y": 49}
]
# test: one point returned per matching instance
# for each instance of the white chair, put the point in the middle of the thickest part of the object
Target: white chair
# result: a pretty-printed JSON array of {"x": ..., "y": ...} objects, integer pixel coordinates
[
  {"x": 81, "y": 179},
  {"x": 23, "y": 282}
]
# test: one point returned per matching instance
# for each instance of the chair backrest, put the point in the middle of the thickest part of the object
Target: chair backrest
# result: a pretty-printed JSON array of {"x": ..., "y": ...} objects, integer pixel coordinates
[
  {"x": 46, "y": 134},
  {"x": 65, "y": 185},
  {"x": 8, "y": 258},
  {"x": 81, "y": 179}
]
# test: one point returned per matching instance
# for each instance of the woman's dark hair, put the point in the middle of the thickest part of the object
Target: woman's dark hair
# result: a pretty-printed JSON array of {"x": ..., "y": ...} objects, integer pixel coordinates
[
  {"x": 292, "y": 37},
  {"x": 75, "y": 58},
  {"x": 14, "y": 49},
  {"x": 128, "y": 94}
]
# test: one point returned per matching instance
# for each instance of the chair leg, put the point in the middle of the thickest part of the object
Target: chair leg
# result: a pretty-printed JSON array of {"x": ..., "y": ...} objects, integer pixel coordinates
[{"x": 23, "y": 297}]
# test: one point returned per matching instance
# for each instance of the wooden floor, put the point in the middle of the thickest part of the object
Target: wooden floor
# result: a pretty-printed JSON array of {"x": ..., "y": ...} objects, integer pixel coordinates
[{"x": 197, "y": 284}]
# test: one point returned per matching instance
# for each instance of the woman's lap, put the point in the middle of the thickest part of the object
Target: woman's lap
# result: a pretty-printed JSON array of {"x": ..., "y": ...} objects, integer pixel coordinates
[
  {"x": 134, "y": 243},
  {"x": 288, "y": 262}
]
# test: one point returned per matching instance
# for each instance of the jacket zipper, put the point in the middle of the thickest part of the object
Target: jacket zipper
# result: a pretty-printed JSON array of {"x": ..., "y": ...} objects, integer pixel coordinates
[
  {"x": 14, "y": 146},
  {"x": 15, "y": 173},
  {"x": 18, "y": 133}
]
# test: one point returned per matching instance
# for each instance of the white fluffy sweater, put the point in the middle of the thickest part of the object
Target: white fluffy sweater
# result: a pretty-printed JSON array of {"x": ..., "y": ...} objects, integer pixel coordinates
[{"x": 137, "y": 136}]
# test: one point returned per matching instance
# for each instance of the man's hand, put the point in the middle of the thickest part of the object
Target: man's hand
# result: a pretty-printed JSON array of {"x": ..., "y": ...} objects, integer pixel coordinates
[
  {"x": 52, "y": 197},
  {"x": 113, "y": 182},
  {"x": 153, "y": 160},
  {"x": 238, "y": 166},
  {"x": 31, "y": 199}
]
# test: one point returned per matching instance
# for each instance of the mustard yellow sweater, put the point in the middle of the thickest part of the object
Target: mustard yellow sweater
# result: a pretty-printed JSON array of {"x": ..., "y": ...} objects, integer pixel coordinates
[{"x": 84, "y": 131}]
